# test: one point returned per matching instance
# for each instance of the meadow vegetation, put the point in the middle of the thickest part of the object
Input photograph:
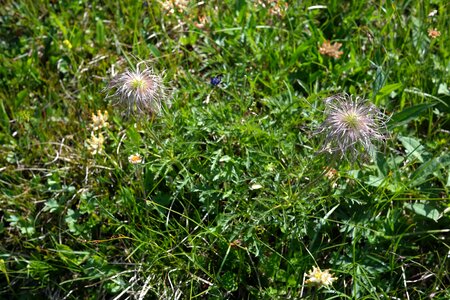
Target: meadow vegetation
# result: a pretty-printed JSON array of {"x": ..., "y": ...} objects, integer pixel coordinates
[{"x": 222, "y": 183}]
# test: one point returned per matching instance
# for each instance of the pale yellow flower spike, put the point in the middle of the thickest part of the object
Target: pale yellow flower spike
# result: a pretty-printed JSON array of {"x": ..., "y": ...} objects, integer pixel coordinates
[
  {"x": 99, "y": 121},
  {"x": 95, "y": 144}
]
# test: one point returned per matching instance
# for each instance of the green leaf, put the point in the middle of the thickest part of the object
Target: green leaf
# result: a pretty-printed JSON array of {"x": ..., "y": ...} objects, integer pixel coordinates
[
  {"x": 154, "y": 50},
  {"x": 424, "y": 209},
  {"x": 430, "y": 167},
  {"x": 225, "y": 158},
  {"x": 229, "y": 281},
  {"x": 51, "y": 205},
  {"x": 4, "y": 270},
  {"x": 408, "y": 114},
  {"x": 417, "y": 91},
  {"x": 380, "y": 79},
  {"x": 100, "y": 32},
  {"x": 444, "y": 160},
  {"x": 414, "y": 148},
  {"x": 71, "y": 220},
  {"x": 443, "y": 89},
  {"x": 388, "y": 89},
  {"x": 38, "y": 269},
  {"x": 421, "y": 174},
  {"x": 380, "y": 181},
  {"x": 55, "y": 18},
  {"x": 21, "y": 95}
]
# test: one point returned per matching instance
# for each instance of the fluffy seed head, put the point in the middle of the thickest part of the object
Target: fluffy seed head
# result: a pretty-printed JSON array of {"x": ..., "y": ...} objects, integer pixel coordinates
[
  {"x": 351, "y": 127},
  {"x": 138, "y": 91}
]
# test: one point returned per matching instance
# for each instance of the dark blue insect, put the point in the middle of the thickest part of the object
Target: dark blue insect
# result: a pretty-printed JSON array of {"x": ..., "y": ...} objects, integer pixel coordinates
[{"x": 216, "y": 80}]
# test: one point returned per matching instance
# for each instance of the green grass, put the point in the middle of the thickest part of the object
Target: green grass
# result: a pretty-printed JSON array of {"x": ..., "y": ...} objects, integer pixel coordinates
[{"x": 232, "y": 201}]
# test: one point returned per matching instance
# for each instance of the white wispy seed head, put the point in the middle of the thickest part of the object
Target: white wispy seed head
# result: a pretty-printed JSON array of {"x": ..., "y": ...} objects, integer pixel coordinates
[
  {"x": 352, "y": 126},
  {"x": 140, "y": 91}
]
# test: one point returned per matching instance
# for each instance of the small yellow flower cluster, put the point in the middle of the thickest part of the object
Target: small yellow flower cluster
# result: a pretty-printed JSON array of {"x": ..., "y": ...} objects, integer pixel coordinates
[
  {"x": 95, "y": 143},
  {"x": 24, "y": 115},
  {"x": 319, "y": 278},
  {"x": 68, "y": 44},
  {"x": 331, "y": 50}
]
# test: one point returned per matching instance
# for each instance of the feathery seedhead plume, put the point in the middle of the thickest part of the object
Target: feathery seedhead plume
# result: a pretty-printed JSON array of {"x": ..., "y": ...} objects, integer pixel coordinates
[
  {"x": 352, "y": 127},
  {"x": 140, "y": 91}
]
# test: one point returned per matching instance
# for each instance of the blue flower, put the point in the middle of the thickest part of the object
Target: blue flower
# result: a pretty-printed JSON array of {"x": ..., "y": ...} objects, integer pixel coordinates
[{"x": 216, "y": 80}]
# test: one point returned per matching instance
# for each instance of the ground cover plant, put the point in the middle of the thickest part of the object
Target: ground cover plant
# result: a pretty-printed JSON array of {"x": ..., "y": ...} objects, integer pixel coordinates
[{"x": 224, "y": 149}]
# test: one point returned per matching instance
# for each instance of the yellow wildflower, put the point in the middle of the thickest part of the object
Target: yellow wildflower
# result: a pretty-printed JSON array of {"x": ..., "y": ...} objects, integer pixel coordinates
[{"x": 68, "y": 44}]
